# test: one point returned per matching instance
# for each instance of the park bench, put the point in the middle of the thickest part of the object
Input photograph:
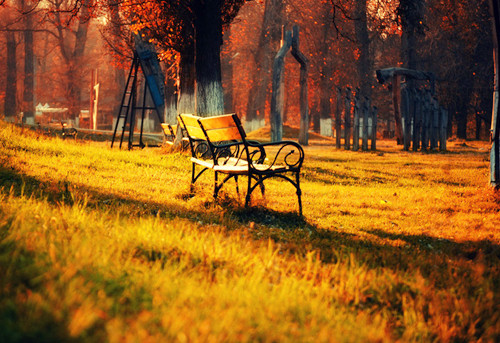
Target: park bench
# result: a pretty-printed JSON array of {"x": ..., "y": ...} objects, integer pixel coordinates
[
  {"x": 169, "y": 133},
  {"x": 68, "y": 131},
  {"x": 219, "y": 143}
]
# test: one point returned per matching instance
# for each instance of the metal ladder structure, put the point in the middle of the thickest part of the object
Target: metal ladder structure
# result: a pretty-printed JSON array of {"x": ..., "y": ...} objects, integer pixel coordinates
[{"x": 146, "y": 58}]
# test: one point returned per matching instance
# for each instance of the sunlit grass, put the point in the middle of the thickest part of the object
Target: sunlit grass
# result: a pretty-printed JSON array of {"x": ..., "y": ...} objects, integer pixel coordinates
[{"x": 107, "y": 245}]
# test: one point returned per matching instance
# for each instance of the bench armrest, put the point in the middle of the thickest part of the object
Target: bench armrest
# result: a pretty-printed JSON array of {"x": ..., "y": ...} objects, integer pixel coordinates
[
  {"x": 220, "y": 153},
  {"x": 286, "y": 154}
]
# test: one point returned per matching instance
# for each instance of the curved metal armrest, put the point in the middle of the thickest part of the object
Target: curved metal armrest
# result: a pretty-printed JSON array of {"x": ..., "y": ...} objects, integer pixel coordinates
[
  {"x": 228, "y": 152},
  {"x": 289, "y": 153}
]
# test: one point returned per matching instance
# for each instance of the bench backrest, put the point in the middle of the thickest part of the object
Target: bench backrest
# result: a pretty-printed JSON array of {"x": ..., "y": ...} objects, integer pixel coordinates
[
  {"x": 214, "y": 137},
  {"x": 214, "y": 129},
  {"x": 222, "y": 128},
  {"x": 168, "y": 130},
  {"x": 191, "y": 126}
]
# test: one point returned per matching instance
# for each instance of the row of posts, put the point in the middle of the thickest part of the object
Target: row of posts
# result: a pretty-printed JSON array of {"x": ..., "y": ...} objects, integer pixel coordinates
[
  {"x": 359, "y": 122},
  {"x": 424, "y": 122}
]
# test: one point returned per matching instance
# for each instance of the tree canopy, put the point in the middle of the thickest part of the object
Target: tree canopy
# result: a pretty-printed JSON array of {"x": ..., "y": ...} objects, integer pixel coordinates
[{"x": 191, "y": 31}]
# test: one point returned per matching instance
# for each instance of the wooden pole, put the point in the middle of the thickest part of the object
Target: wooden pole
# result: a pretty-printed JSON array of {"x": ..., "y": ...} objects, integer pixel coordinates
[
  {"x": 407, "y": 108},
  {"x": 426, "y": 121},
  {"x": 358, "y": 107},
  {"x": 495, "y": 122},
  {"x": 347, "y": 119},
  {"x": 443, "y": 128},
  {"x": 419, "y": 120},
  {"x": 396, "y": 82},
  {"x": 374, "y": 128},
  {"x": 277, "y": 97},
  {"x": 304, "y": 105},
  {"x": 366, "y": 113},
  {"x": 338, "y": 119},
  {"x": 435, "y": 122}
]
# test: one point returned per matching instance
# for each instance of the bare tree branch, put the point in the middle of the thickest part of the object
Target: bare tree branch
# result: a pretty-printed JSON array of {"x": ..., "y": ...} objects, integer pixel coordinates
[{"x": 337, "y": 7}]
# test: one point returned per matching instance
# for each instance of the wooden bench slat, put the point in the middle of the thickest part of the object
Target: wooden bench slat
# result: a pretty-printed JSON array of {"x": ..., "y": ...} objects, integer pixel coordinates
[
  {"x": 218, "y": 122},
  {"x": 224, "y": 134},
  {"x": 192, "y": 126},
  {"x": 189, "y": 119},
  {"x": 195, "y": 132}
]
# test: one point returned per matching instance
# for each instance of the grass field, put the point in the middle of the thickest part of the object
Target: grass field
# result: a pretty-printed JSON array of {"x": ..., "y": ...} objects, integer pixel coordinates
[{"x": 105, "y": 245}]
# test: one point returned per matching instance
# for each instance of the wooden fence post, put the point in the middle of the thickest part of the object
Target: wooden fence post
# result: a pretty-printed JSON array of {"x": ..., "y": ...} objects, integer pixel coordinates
[
  {"x": 407, "y": 108},
  {"x": 366, "y": 114},
  {"x": 396, "y": 85},
  {"x": 347, "y": 120},
  {"x": 419, "y": 119},
  {"x": 443, "y": 128},
  {"x": 430, "y": 115},
  {"x": 338, "y": 119},
  {"x": 357, "y": 109},
  {"x": 426, "y": 122},
  {"x": 277, "y": 97},
  {"x": 374, "y": 128},
  {"x": 435, "y": 123},
  {"x": 304, "y": 105}
]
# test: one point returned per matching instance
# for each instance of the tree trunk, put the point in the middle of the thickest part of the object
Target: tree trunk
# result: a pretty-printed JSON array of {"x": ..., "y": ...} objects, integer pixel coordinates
[
  {"x": 120, "y": 77},
  {"x": 462, "y": 103},
  {"x": 75, "y": 68},
  {"x": 411, "y": 15},
  {"x": 304, "y": 103},
  {"x": 278, "y": 92},
  {"x": 269, "y": 37},
  {"x": 227, "y": 73},
  {"x": 170, "y": 101},
  {"x": 11, "y": 77},
  {"x": 326, "y": 77},
  {"x": 364, "y": 63},
  {"x": 120, "y": 80},
  {"x": 461, "y": 116},
  {"x": 186, "y": 75},
  {"x": 478, "y": 126},
  {"x": 29, "y": 69},
  {"x": 408, "y": 53},
  {"x": 208, "y": 39}
]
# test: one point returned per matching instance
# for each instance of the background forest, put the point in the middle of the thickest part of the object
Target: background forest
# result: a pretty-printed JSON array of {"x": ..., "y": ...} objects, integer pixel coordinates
[{"x": 50, "y": 50}]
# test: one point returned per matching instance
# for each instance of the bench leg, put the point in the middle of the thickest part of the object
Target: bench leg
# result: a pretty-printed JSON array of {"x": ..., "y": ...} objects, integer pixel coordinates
[
  {"x": 249, "y": 190},
  {"x": 195, "y": 176},
  {"x": 262, "y": 187},
  {"x": 260, "y": 182},
  {"x": 193, "y": 171},
  {"x": 299, "y": 193},
  {"x": 216, "y": 186}
]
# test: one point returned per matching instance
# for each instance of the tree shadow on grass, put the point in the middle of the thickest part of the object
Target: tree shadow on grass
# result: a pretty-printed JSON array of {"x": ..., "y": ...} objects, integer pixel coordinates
[
  {"x": 295, "y": 233},
  {"x": 292, "y": 233},
  {"x": 23, "y": 317},
  {"x": 467, "y": 250},
  {"x": 63, "y": 193}
]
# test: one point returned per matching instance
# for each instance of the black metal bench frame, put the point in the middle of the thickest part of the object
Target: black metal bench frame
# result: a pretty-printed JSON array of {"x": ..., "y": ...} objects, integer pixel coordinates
[{"x": 219, "y": 143}]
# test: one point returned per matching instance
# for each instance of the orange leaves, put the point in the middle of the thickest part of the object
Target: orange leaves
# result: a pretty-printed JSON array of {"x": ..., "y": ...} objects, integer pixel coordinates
[{"x": 357, "y": 54}]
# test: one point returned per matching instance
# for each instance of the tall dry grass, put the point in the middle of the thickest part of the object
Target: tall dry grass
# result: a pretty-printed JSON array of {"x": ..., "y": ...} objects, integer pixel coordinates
[{"x": 106, "y": 245}]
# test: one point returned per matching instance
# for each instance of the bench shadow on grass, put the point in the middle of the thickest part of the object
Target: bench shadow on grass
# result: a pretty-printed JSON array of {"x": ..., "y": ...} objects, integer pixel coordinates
[{"x": 294, "y": 232}]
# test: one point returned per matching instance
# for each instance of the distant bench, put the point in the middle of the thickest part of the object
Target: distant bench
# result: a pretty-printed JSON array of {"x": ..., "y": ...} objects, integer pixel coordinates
[
  {"x": 170, "y": 134},
  {"x": 169, "y": 131},
  {"x": 219, "y": 143}
]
